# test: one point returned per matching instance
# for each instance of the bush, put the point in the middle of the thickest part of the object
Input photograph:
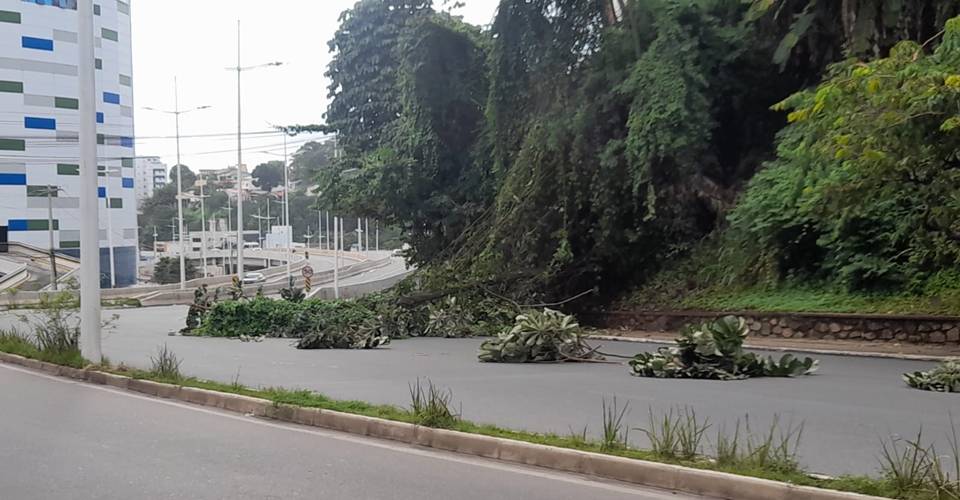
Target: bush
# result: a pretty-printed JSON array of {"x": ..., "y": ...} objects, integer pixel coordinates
[
  {"x": 944, "y": 378},
  {"x": 448, "y": 319},
  {"x": 363, "y": 336},
  {"x": 538, "y": 336},
  {"x": 863, "y": 189},
  {"x": 715, "y": 351},
  {"x": 167, "y": 270}
]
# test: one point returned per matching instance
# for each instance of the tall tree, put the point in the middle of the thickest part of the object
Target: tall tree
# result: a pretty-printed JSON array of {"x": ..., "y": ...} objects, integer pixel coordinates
[
  {"x": 187, "y": 176},
  {"x": 815, "y": 33},
  {"x": 311, "y": 159},
  {"x": 267, "y": 176},
  {"x": 363, "y": 92}
]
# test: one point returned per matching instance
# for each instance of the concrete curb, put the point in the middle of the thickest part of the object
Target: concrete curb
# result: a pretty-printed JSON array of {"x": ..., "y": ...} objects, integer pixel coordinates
[
  {"x": 707, "y": 483},
  {"x": 825, "y": 352}
]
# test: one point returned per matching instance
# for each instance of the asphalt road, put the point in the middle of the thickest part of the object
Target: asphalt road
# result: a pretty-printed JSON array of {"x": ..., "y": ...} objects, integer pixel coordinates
[
  {"x": 67, "y": 440},
  {"x": 846, "y": 408}
]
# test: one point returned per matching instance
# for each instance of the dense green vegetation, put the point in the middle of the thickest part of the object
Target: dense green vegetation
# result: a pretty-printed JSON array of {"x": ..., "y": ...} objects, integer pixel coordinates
[
  {"x": 714, "y": 350},
  {"x": 566, "y": 149}
]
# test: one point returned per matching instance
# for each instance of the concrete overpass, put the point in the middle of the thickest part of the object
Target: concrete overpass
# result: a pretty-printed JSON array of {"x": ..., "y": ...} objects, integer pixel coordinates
[{"x": 360, "y": 273}]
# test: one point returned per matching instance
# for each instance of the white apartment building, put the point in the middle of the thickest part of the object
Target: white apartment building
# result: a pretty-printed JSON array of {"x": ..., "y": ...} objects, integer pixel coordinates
[
  {"x": 150, "y": 174},
  {"x": 39, "y": 128}
]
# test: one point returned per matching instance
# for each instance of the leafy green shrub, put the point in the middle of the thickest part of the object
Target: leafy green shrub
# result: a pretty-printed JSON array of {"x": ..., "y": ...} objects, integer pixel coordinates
[
  {"x": 262, "y": 316},
  {"x": 401, "y": 322},
  {"x": 538, "y": 336},
  {"x": 863, "y": 189},
  {"x": 448, "y": 319},
  {"x": 363, "y": 336},
  {"x": 714, "y": 350},
  {"x": 944, "y": 378}
]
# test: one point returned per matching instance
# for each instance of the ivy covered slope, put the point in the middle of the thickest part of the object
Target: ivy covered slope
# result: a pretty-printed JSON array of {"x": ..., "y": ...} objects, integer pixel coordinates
[
  {"x": 569, "y": 149},
  {"x": 861, "y": 198}
]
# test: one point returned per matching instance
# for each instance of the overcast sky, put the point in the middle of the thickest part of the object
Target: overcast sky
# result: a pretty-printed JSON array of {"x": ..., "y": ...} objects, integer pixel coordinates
[{"x": 196, "y": 40}]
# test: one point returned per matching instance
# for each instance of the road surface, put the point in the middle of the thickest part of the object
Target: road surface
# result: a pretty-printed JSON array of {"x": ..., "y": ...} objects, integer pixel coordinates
[
  {"x": 845, "y": 408},
  {"x": 67, "y": 440}
]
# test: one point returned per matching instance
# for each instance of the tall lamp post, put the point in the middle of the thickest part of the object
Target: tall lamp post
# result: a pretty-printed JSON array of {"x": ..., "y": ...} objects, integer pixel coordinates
[
  {"x": 176, "y": 112},
  {"x": 90, "y": 341},
  {"x": 286, "y": 202},
  {"x": 240, "y": 69}
]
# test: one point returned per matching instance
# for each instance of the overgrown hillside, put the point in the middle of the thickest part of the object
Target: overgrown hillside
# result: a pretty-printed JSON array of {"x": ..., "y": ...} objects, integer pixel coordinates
[{"x": 567, "y": 149}]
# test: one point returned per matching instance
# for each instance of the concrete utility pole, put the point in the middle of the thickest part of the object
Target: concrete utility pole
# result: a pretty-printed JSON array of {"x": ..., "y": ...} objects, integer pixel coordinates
[
  {"x": 377, "y": 223},
  {"x": 359, "y": 235},
  {"x": 286, "y": 206},
  {"x": 240, "y": 69},
  {"x": 366, "y": 234},
  {"x": 239, "y": 164},
  {"x": 227, "y": 240},
  {"x": 203, "y": 227},
  {"x": 155, "y": 244},
  {"x": 90, "y": 343},
  {"x": 336, "y": 261},
  {"x": 53, "y": 257},
  {"x": 176, "y": 112},
  {"x": 328, "y": 230}
]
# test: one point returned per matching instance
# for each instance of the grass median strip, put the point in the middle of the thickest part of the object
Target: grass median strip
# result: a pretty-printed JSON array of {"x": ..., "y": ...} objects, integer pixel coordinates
[{"x": 437, "y": 401}]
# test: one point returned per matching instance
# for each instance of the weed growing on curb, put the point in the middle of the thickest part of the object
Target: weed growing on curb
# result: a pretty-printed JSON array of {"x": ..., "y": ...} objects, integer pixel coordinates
[
  {"x": 676, "y": 434},
  {"x": 166, "y": 365},
  {"x": 431, "y": 405},
  {"x": 912, "y": 466},
  {"x": 579, "y": 437},
  {"x": 615, "y": 432},
  {"x": 774, "y": 450}
]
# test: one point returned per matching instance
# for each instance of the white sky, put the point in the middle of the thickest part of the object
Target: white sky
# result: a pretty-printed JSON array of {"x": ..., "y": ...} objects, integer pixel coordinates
[{"x": 196, "y": 40}]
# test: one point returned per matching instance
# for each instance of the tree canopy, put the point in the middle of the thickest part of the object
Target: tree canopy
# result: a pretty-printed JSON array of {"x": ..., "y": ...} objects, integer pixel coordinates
[
  {"x": 569, "y": 149},
  {"x": 187, "y": 176},
  {"x": 267, "y": 176}
]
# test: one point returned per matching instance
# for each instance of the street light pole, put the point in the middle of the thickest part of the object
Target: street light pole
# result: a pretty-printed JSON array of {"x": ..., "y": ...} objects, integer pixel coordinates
[
  {"x": 336, "y": 261},
  {"x": 286, "y": 206},
  {"x": 176, "y": 112},
  {"x": 179, "y": 167},
  {"x": 239, "y": 164},
  {"x": 203, "y": 227},
  {"x": 90, "y": 347}
]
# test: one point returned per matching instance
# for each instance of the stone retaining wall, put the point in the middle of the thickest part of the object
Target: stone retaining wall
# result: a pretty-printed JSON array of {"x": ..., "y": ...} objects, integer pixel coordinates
[{"x": 870, "y": 327}]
